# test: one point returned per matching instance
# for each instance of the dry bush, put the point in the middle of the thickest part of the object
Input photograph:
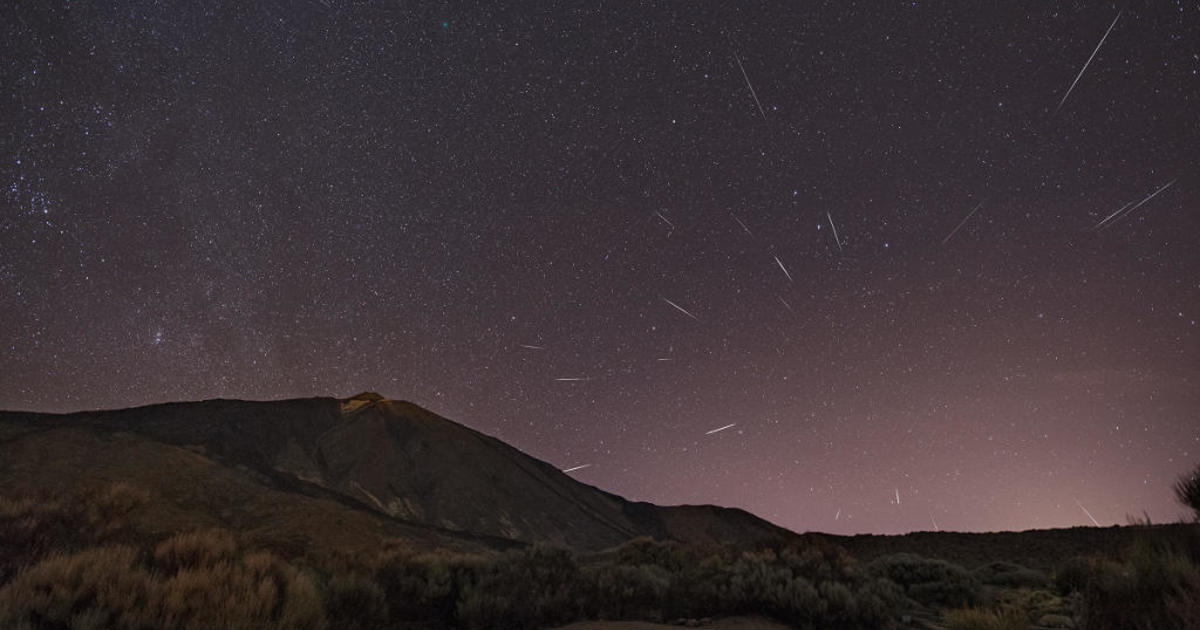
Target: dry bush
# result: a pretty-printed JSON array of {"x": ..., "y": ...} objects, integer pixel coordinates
[
  {"x": 261, "y": 591},
  {"x": 195, "y": 550},
  {"x": 1187, "y": 491},
  {"x": 31, "y": 527},
  {"x": 111, "y": 587},
  {"x": 984, "y": 619},
  {"x": 110, "y": 503},
  {"x": 1156, "y": 586},
  {"x": 930, "y": 581},
  {"x": 355, "y": 602},
  {"x": 1010, "y": 575},
  {"x": 624, "y": 592},
  {"x": 103, "y": 587}
]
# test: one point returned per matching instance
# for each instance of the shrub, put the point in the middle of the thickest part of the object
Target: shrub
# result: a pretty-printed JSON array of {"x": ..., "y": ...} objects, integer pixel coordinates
[
  {"x": 1072, "y": 575},
  {"x": 261, "y": 591},
  {"x": 195, "y": 550},
  {"x": 929, "y": 581},
  {"x": 984, "y": 619},
  {"x": 817, "y": 586},
  {"x": 103, "y": 587},
  {"x": 110, "y": 587},
  {"x": 644, "y": 550},
  {"x": 33, "y": 526},
  {"x": 1010, "y": 575},
  {"x": 1187, "y": 490},
  {"x": 522, "y": 589},
  {"x": 422, "y": 587},
  {"x": 624, "y": 592},
  {"x": 355, "y": 602},
  {"x": 1154, "y": 588}
]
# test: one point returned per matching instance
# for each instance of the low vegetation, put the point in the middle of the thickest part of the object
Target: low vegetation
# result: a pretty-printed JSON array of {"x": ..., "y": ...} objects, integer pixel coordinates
[{"x": 71, "y": 562}]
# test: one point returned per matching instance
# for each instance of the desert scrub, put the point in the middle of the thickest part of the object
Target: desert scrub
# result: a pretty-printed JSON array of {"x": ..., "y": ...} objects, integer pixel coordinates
[
  {"x": 1155, "y": 587},
  {"x": 984, "y": 619},
  {"x": 624, "y": 592},
  {"x": 425, "y": 587},
  {"x": 355, "y": 602},
  {"x": 107, "y": 587},
  {"x": 533, "y": 587},
  {"x": 929, "y": 581},
  {"x": 1010, "y": 575},
  {"x": 195, "y": 550},
  {"x": 114, "y": 587},
  {"x": 1071, "y": 575},
  {"x": 34, "y": 526}
]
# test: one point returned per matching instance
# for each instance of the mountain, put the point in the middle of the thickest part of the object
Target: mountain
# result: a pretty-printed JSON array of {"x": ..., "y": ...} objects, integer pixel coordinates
[{"x": 354, "y": 471}]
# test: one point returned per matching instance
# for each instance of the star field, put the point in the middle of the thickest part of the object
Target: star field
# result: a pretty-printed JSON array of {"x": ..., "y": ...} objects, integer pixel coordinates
[{"x": 601, "y": 232}]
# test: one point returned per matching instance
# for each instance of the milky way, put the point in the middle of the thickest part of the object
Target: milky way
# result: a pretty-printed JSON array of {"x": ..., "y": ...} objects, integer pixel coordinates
[{"x": 520, "y": 218}]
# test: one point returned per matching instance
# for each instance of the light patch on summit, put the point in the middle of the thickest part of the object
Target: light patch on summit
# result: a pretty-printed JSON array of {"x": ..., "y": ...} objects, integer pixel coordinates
[{"x": 354, "y": 403}]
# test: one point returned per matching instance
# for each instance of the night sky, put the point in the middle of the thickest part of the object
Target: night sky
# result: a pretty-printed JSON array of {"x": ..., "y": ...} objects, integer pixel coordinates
[{"x": 599, "y": 231}]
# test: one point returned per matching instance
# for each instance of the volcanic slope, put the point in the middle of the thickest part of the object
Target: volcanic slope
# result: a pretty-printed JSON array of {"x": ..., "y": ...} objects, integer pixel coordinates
[{"x": 374, "y": 467}]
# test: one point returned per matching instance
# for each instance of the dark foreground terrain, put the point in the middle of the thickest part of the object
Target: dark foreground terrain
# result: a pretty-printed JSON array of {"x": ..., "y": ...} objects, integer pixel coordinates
[{"x": 371, "y": 513}]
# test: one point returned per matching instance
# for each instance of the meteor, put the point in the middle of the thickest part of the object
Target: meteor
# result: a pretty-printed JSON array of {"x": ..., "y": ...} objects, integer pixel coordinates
[
  {"x": 1088, "y": 62},
  {"x": 680, "y": 309},
  {"x": 961, "y": 223},
  {"x": 747, "y": 78},
  {"x": 834, "y": 227},
  {"x": 785, "y": 271},
  {"x": 1085, "y": 511}
]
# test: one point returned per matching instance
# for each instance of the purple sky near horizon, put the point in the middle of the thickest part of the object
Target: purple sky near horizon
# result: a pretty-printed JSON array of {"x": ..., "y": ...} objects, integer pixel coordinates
[{"x": 462, "y": 205}]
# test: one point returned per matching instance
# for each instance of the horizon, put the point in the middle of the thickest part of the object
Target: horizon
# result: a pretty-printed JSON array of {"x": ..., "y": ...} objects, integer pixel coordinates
[
  {"x": 1131, "y": 519},
  {"x": 887, "y": 270}
]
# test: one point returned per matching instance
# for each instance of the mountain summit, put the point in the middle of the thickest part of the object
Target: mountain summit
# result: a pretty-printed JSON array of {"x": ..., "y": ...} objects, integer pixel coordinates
[{"x": 388, "y": 458}]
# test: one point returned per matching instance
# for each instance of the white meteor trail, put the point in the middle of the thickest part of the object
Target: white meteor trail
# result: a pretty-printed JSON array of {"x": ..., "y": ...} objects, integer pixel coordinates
[
  {"x": 1085, "y": 511},
  {"x": 670, "y": 226},
  {"x": 739, "y": 222},
  {"x": 680, "y": 309},
  {"x": 786, "y": 305},
  {"x": 529, "y": 347},
  {"x": 1088, "y": 62},
  {"x": 834, "y": 227},
  {"x": 897, "y": 496},
  {"x": 567, "y": 470},
  {"x": 838, "y": 515},
  {"x": 747, "y": 78},
  {"x": 1110, "y": 219},
  {"x": 719, "y": 429},
  {"x": 664, "y": 359},
  {"x": 785, "y": 271},
  {"x": 935, "y": 526},
  {"x": 961, "y": 223},
  {"x": 573, "y": 379}
]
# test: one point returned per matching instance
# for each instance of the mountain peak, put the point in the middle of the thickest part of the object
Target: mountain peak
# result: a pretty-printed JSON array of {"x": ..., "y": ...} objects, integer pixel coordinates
[
  {"x": 400, "y": 460},
  {"x": 359, "y": 401}
]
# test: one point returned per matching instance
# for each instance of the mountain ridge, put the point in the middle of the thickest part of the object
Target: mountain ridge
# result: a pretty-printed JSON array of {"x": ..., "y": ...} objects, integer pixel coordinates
[{"x": 407, "y": 463}]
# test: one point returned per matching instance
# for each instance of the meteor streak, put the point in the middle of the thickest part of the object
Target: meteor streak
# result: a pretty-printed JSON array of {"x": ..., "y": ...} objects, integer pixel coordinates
[
  {"x": 747, "y": 78},
  {"x": 961, "y": 223},
  {"x": 834, "y": 227},
  {"x": 680, "y": 309},
  {"x": 1088, "y": 62},
  {"x": 785, "y": 271}
]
